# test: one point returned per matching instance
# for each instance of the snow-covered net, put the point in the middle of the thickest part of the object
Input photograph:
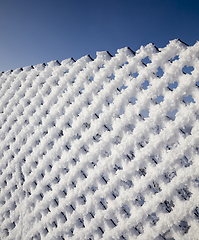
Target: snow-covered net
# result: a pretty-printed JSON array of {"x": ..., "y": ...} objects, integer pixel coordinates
[{"x": 105, "y": 148}]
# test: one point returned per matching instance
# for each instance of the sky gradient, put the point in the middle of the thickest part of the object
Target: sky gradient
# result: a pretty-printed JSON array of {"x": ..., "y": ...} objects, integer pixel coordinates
[{"x": 38, "y": 31}]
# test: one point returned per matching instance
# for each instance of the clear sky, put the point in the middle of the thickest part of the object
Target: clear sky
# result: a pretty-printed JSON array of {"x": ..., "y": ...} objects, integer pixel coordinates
[{"x": 38, "y": 31}]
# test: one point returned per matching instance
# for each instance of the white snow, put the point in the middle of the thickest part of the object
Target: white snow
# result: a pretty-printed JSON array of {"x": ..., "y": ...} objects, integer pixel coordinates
[{"x": 102, "y": 149}]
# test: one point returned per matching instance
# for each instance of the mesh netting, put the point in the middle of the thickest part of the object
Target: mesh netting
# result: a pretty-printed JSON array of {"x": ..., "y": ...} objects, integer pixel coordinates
[{"x": 105, "y": 148}]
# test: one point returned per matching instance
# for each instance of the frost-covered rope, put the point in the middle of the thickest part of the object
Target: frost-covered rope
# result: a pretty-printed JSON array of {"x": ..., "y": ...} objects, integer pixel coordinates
[{"x": 102, "y": 149}]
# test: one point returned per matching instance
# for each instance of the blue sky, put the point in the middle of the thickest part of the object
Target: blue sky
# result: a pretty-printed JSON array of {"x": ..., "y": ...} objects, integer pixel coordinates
[{"x": 38, "y": 31}]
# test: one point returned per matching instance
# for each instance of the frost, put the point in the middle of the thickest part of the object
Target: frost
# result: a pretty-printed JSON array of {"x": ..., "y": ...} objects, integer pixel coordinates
[{"x": 102, "y": 148}]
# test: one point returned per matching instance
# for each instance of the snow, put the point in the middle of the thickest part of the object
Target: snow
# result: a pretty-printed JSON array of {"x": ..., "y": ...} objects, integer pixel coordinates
[{"x": 102, "y": 149}]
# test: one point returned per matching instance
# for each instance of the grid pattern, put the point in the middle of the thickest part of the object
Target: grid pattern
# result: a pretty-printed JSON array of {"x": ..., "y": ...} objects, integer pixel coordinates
[{"x": 105, "y": 148}]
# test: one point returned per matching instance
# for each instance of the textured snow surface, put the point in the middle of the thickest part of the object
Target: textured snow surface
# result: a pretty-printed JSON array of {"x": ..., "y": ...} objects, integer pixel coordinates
[{"x": 105, "y": 148}]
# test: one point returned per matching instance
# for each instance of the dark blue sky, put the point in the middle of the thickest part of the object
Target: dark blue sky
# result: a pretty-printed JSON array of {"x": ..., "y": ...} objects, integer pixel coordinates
[{"x": 38, "y": 31}]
